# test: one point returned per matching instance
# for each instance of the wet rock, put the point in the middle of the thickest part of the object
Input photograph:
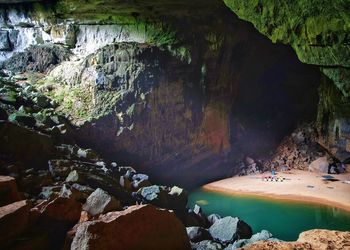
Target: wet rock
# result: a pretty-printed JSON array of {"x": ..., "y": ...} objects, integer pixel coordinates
[
  {"x": 8, "y": 190},
  {"x": 14, "y": 219},
  {"x": 4, "y": 41},
  {"x": 100, "y": 202},
  {"x": 207, "y": 245},
  {"x": 147, "y": 228},
  {"x": 197, "y": 234},
  {"x": 229, "y": 229}
]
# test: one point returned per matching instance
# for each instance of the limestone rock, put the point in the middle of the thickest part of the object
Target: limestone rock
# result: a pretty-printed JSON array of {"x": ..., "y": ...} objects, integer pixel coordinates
[
  {"x": 197, "y": 234},
  {"x": 207, "y": 245},
  {"x": 326, "y": 239},
  {"x": 100, "y": 202},
  {"x": 229, "y": 229},
  {"x": 317, "y": 239},
  {"x": 8, "y": 190},
  {"x": 14, "y": 219},
  {"x": 138, "y": 227},
  {"x": 319, "y": 165},
  {"x": 212, "y": 218}
]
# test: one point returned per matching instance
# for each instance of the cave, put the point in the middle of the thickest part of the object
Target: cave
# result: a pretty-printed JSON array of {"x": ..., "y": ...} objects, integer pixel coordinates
[{"x": 112, "y": 111}]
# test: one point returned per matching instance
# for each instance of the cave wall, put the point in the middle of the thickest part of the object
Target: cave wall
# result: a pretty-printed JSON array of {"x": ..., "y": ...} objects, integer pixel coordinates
[
  {"x": 183, "y": 95},
  {"x": 319, "y": 33}
]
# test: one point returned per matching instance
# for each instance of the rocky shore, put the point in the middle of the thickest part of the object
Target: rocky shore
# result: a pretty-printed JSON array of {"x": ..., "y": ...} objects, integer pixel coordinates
[{"x": 57, "y": 195}]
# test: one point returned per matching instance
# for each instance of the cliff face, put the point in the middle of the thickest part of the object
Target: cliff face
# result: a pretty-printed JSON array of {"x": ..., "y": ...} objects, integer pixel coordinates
[
  {"x": 153, "y": 84},
  {"x": 319, "y": 32}
]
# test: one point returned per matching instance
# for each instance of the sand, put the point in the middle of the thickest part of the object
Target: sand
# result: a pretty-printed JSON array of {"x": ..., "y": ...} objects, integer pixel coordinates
[{"x": 295, "y": 188}]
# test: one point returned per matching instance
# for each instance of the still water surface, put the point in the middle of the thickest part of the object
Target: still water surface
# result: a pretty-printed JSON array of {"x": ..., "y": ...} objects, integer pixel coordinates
[{"x": 285, "y": 220}]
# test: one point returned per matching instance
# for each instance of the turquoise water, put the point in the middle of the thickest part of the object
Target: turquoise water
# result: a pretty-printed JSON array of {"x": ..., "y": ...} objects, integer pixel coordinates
[{"x": 285, "y": 220}]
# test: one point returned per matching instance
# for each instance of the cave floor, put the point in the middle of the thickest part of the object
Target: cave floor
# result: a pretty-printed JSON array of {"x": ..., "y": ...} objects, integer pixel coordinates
[{"x": 298, "y": 186}]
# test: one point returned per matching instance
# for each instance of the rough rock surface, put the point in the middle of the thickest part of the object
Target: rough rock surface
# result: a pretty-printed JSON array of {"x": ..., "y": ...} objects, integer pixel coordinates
[
  {"x": 100, "y": 202},
  {"x": 316, "y": 239},
  {"x": 14, "y": 219},
  {"x": 317, "y": 31},
  {"x": 229, "y": 229},
  {"x": 8, "y": 190},
  {"x": 138, "y": 227}
]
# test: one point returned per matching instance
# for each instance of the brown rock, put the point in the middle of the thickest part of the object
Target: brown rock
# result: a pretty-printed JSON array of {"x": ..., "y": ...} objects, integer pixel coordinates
[
  {"x": 61, "y": 209},
  {"x": 14, "y": 219},
  {"x": 317, "y": 239},
  {"x": 8, "y": 190},
  {"x": 326, "y": 239},
  {"x": 138, "y": 227}
]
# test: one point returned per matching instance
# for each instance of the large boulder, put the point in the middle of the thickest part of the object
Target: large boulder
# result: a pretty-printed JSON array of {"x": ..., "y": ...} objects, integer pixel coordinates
[
  {"x": 14, "y": 219},
  {"x": 100, "y": 202},
  {"x": 229, "y": 229},
  {"x": 138, "y": 227},
  {"x": 319, "y": 165},
  {"x": 26, "y": 145},
  {"x": 8, "y": 190}
]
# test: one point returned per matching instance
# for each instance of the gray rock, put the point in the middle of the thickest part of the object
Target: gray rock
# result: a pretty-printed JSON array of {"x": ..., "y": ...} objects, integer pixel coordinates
[
  {"x": 263, "y": 235},
  {"x": 213, "y": 218},
  {"x": 73, "y": 176},
  {"x": 197, "y": 234},
  {"x": 197, "y": 209},
  {"x": 4, "y": 41},
  {"x": 48, "y": 192},
  {"x": 229, "y": 229},
  {"x": 150, "y": 193},
  {"x": 207, "y": 245},
  {"x": 100, "y": 202}
]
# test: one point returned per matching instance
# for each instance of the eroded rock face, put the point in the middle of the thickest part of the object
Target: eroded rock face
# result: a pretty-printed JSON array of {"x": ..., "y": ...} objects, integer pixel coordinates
[
  {"x": 316, "y": 239},
  {"x": 317, "y": 32},
  {"x": 138, "y": 227}
]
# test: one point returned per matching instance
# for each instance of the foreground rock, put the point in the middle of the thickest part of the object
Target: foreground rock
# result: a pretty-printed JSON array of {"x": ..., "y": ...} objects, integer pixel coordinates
[
  {"x": 14, "y": 219},
  {"x": 317, "y": 239},
  {"x": 229, "y": 229},
  {"x": 8, "y": 190},
  {"x": 138, "y": 227}
]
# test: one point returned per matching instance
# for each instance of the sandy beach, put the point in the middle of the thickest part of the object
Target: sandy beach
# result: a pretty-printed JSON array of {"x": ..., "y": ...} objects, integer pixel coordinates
[{"x": 298, "y": 186}]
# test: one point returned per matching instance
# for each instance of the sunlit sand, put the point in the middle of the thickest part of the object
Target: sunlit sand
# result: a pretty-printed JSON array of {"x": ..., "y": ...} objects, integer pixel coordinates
[{"x": 298, "y": 186}]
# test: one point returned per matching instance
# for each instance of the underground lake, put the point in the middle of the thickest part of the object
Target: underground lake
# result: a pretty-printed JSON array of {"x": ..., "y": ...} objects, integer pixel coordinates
[{"x": 284, "y": 219}]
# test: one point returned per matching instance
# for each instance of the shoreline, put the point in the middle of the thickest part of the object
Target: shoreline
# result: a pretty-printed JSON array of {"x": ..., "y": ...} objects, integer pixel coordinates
[{"x": 231, "y": 186}]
